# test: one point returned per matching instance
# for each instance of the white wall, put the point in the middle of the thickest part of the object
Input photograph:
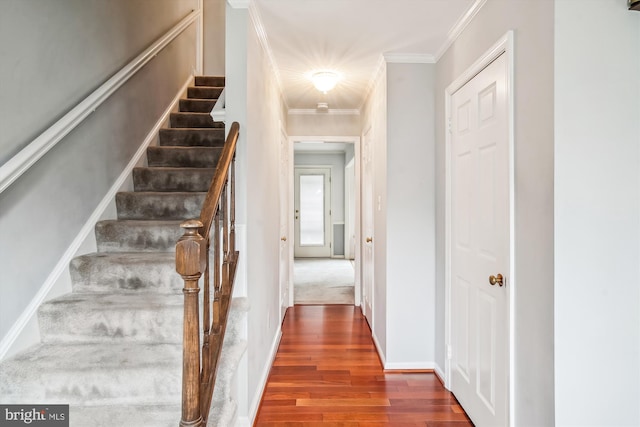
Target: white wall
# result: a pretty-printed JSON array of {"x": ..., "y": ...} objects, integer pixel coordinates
[
  {"x": 324, "y": 124},
  {"x": 597, "y": 212},
  {"x": 253, "y": 99},
  {"x": 410, "y": 209},
  {"x": 49, "y": 63},
  {"x": 214, "y": 37},
  {"x": 532, "y": 22}
]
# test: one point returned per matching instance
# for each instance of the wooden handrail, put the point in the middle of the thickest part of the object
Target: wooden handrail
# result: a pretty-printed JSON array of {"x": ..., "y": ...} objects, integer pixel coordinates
[
  {"x": 219, "y": 178},
  {"x": 214, "y": 232}
]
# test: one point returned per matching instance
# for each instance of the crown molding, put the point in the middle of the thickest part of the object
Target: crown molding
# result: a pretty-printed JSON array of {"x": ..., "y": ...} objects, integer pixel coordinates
[
  {"x": 379, "y": 69},
  {"x": 459, "y": 27},
  {"x": 409, "y": 58},
  {"x": 256, "y": 19},
  {"x": 330, "y": 112},
  {"x": 239, "y": 4}
]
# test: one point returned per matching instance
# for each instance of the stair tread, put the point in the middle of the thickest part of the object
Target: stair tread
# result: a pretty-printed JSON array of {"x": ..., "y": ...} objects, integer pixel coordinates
[
  {"x": 190, "y": 169},
  {"x": 125, "y": 373},
  {"x": 124, "y": 271},
  {"x": 115, "y": 301},
  {"x": 126, "y": 415},
  {"x": 133, "y": 256},
  {"x": 135, "y": 235},
  {"x": 95, "y": 356},
  {"x": 164, "y": 193}
]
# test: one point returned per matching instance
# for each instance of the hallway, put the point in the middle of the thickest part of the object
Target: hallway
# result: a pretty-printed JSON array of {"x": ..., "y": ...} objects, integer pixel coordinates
[{"x": 327, "y": 372}]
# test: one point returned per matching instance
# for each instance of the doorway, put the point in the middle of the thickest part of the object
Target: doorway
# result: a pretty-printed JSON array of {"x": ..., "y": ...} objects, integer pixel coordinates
[
  {"x": 479, "y": 232},
  {"x": 325, "y": 220}
]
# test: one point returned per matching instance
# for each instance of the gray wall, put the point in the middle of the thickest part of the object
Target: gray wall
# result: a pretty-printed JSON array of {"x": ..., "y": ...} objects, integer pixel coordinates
[
  {"x": 532, "y": 22},
  {"x": 597, "y": 207},
  {"x": 410, "y": 206},
  {"x": 54, "y": 53}
]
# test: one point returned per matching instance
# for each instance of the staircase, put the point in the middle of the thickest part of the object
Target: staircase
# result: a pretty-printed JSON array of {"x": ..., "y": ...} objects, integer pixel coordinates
[{"x": 112, "y": 349}]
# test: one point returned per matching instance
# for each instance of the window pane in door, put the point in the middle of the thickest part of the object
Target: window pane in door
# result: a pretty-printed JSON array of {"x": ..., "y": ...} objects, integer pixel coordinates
[{"x": 312, "y": 210}]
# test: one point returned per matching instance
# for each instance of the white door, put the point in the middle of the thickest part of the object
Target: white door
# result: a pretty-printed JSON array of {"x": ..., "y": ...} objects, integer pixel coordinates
[
  {"x": 312, "y": 212},
  {"x": 480, "y": 245},
  {"x": 285, "y": 211},
  {"x": 367, "y": 226}
]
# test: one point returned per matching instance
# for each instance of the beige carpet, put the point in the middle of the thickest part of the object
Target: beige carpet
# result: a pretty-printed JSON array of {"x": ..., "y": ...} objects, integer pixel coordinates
[{"x": 323, "y": 281}]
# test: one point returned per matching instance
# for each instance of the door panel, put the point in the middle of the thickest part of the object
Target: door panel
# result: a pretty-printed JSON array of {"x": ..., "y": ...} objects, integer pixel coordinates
[
  {"x": 313, "y": 212},
  {"x": 480, "y": 245}
]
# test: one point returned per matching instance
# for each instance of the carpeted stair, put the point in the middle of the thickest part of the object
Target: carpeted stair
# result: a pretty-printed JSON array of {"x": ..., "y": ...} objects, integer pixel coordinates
[{"x": 112, "y": 349}]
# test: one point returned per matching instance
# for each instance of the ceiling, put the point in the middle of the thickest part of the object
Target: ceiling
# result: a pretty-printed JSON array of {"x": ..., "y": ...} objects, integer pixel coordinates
[{"x": 350, "y": 37}]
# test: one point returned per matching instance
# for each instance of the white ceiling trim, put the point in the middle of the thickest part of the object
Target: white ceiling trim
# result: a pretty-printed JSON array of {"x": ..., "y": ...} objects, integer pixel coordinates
[
  {"x": 459, "y": 27},
  {"x": 239, "y": 4},
  {"x": 409, "y": 58},
  {"x": 254, "y": 14},
  {"x": 331, "y": 111}
]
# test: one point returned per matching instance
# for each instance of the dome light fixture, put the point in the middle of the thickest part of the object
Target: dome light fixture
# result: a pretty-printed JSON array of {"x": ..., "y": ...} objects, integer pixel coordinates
[{"x": 325, "y": 80}]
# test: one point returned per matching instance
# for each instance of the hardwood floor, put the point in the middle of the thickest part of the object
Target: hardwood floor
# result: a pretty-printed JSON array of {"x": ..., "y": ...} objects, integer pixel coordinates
[{"x": 327, "y": 373}]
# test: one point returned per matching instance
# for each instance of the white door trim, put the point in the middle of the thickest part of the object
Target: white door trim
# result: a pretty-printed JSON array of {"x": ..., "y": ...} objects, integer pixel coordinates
[
  {"x": 355, "y": 140},
  {"x": 505, "y": 45}
]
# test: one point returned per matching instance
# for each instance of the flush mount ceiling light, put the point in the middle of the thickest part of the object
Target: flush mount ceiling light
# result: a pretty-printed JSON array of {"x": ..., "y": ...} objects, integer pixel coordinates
[{"x": 324, "y": 81}]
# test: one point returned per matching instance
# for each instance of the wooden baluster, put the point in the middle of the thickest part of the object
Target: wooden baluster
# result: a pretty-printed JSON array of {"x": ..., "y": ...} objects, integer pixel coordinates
[
  {"x": 225, "y": 240},
  {"x": 232, "y": 210},
  {"x": 190, "y": 263},
  {"x": 206, "y": 320},
  {"x": 216, "y": 268}
]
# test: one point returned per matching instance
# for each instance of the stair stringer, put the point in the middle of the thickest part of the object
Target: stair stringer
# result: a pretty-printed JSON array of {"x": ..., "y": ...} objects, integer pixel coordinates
[{"x": 224, "y": 406}]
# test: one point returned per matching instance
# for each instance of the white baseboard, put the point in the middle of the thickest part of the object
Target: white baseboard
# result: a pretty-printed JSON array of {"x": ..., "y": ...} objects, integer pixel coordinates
[
  {"x": 25, "y": 332},
  {"x": 381, "y": 355},
  {"x": 255, "y": 403},
  {"x": 243, "y": 422},
  {"x": 402, "y": 366},
  {"x": 440, "y": 373}
]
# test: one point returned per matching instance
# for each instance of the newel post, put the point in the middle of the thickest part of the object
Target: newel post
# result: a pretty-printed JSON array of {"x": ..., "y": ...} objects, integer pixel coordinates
[{"x": 190, "y": 264}]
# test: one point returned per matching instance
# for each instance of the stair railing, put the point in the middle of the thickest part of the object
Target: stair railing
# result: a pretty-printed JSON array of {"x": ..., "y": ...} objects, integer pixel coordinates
[{"x": 207, "y": 248}]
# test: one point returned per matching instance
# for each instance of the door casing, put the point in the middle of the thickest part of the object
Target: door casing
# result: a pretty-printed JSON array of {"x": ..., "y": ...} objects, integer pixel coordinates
[{"x": 504, "y": 46}]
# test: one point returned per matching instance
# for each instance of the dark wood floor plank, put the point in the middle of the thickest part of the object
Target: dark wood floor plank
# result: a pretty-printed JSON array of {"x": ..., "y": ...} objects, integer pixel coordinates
[{"x": 327, "y": 373}]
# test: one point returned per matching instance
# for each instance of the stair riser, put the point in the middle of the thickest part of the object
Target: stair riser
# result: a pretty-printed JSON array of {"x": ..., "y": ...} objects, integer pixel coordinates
[
  {"x": 156, "y": 179},
  {"x": 129, "y": 236},
  {"x": 197, "y": 105},
  {"x": 193, "y": 120},
  {"x": 216, "y": 81},
  {"x": 183, "y": 157},
  {"x": 124, "y": 386},
  {"x": 82, "y": 322},
  {"x": 159, "y": 206},
  {"x": 192, "y": 137},
  {"x": 95, "y": 273},
  {"x": 204, "y": 92}
]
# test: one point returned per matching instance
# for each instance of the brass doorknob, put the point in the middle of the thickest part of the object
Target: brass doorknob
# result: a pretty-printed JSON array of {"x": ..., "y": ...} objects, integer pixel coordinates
[
  {"x": 283, "y": 238},
  {"x": 369, "y": 239},
  {"x": 496, "y": 279}
]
